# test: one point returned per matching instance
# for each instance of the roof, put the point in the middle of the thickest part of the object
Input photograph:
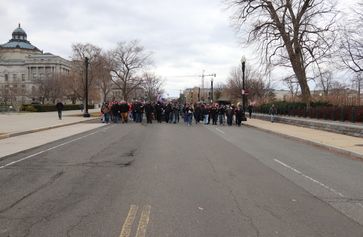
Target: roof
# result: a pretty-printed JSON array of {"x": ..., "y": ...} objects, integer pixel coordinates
[
  {"x": 19, "y": 30},
  {"x": 19, "y": 44},
  {"x": 19, "y": 41}
]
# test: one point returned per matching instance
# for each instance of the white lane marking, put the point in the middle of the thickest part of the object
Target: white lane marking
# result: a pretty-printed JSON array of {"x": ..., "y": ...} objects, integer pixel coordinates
[
  {"x": 49, "y": 149},
  {"x": 220, "y": 130},
  {"x": 309, "y": 178}
]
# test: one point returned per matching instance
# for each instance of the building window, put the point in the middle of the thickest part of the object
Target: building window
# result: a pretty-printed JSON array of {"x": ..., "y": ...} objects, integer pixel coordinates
[
  {"x": 14, "y": 76},
  {"x": 23, "y": 77},
  {"x": 23, "y": 86},
  {"x": 6, "y": 86},
  {"x": 6, "y": 77}
]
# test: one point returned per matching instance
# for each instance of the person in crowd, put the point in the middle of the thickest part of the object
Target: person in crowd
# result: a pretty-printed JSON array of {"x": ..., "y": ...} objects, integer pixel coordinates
[
  {"x": 188, "y": 113},
  {"x": 105, "y": 110},
  {"x": 167, "y": 112},
  {"x": 221, "y": 112},
  {"x": 149, "y": 110},
  {"x": 124, "y": 111},
  {"x": 273, "y": 112},
  {"x": 59, "y": 107},
  {"x": 205, "y": 113},
  {"x": 159, "y": 112},
  {"x": 229, "y": 114},
  {"x": 214, "y": 114},
  {"x": 197, "y": 113},
  {"x": 174, "y": 113},
  {"x": 115, "y": 112},
  {"x": 139, "y": 109},
  {"x": 239, "y": 113}
]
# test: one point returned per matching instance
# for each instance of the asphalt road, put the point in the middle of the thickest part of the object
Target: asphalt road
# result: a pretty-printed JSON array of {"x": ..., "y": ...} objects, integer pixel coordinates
[{"x": 172, "y": 180}]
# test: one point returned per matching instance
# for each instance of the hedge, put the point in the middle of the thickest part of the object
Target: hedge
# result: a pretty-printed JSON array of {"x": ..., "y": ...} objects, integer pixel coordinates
[
  {"x": 49, "y": 108},
  {"x": 318, "y": 110}
]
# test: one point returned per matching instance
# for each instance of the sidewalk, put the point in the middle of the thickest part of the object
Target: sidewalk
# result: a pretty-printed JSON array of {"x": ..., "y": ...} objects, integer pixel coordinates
[
  {"x": 15, "y": 124},
  {"x": 349, "y": 145}
]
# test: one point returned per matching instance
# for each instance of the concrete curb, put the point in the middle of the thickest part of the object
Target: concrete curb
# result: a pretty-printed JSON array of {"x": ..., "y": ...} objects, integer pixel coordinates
[
  {"x": 342, "y": 151},
  {"x": 4, "y": 136}
]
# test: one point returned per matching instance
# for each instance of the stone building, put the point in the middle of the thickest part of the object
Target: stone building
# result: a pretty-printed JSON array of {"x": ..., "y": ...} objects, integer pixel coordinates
[
  {"x": 197, "y": 94},
  {"x": 23, "y": 67}
]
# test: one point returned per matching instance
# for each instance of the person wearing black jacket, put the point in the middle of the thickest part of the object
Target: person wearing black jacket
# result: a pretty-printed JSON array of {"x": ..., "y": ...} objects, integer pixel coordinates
[
  {"x": 229, "y": 113},
  {"x": 221, "y": 111},
  {"x": 115, "y": 112},
  {"x": 158, "y": 111},
  {"x": 149, "y": 109},
  {"x": 214, "y": 114},
  {"x": 197, "y": 113},
  {"x": 124, "y": 110},
  {"x": 188, "y": 113},
  {"x": 60, "y": 107},
  {"x": 168, "y": 110},
  {"x": 239, "y": 115}
]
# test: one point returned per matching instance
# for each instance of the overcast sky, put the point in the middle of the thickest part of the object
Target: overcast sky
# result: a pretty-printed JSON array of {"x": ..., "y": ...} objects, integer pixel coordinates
[{"x": 185, "y": 36}]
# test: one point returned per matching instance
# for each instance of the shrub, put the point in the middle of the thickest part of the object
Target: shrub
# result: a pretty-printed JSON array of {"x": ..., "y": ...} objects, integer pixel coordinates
[
  {"x": 50, "y": 107},
  {"x": 319, "y": 110}
]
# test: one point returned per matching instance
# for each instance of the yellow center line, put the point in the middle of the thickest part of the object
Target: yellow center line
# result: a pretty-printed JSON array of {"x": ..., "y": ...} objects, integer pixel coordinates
[
  {"x": 144, "y": 220},
  {"x": 127, "y": 226}
]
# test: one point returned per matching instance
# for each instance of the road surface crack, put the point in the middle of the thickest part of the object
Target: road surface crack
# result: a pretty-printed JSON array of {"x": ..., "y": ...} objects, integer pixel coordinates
[
  {"x": 74, "y": 226},
  {"x": 51, "y": 181},
  {"x": 248, "y": 218}
]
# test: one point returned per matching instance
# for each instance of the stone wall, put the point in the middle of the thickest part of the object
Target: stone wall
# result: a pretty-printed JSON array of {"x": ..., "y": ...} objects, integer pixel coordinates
[{"x": 346, "y": 128}]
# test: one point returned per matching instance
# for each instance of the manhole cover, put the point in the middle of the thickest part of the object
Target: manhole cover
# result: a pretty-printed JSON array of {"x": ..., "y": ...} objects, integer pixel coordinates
[{"x": 358, "y": 144}]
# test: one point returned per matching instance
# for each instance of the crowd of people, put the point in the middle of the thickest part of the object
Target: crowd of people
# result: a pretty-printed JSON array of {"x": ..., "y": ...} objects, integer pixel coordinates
[{"x": 173, "y": 112}]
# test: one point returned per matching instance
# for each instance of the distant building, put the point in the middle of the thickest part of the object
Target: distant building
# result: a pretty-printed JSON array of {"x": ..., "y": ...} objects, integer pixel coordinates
[
  {"x": 282, "y": 94},
  {"x": 197, "y": 94},
  {"x": 116, "y": 94},
  {"x": 23, "y": 66}
]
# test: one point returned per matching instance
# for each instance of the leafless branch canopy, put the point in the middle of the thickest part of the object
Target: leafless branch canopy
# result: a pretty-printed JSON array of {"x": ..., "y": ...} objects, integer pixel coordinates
[
  {"x": 297, "y": 33},
  {"x": 128, "y": 59}
]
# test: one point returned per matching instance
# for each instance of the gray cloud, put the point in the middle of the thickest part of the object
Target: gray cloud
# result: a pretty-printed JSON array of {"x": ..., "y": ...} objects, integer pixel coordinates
[{"x": 185, "y": 36}]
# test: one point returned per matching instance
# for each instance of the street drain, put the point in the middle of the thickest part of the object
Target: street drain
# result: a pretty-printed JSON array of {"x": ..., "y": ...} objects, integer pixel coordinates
[{"x": 358, "y": 144}]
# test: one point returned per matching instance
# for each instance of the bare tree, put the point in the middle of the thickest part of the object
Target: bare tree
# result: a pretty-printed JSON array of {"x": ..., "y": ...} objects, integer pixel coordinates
[
  {"x": 80, "y": 52},
  {"x": 351, "y": 46},
  {"x": 325, "y": 81},
  {"x": 218, "y": 90},
  {"x": 128, "y": 59},
  {"x": 289, "y": 33},
  {"x": 103, "y": 76},
  {"x": 74, "y": 84},
  {"x": 254, "y": 84},
  {"x": 152, "y": 85}
]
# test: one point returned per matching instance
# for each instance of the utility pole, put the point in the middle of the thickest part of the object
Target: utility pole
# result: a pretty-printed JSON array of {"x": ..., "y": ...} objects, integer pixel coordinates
[
  {"x": 86, "y": 114},
  {"x": 204, "y": 75}
]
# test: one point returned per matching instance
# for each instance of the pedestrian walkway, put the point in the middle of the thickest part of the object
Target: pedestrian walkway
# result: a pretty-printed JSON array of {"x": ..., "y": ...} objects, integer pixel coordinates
[
  {"x": 350, "y": 145},
  {"x": 15, "y": 124}
]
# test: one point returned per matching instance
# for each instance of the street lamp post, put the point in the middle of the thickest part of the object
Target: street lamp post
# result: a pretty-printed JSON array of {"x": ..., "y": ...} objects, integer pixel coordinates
[
  {"x": 211, "y": 90},
  {"x": 243, "y": 62},
  {"x": 86, "y": 114}
]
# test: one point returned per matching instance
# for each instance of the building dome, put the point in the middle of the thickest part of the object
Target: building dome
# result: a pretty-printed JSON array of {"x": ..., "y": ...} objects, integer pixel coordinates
[
  {"x": 19, "y": 33},
  {"x": 19, "y": 40}
]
